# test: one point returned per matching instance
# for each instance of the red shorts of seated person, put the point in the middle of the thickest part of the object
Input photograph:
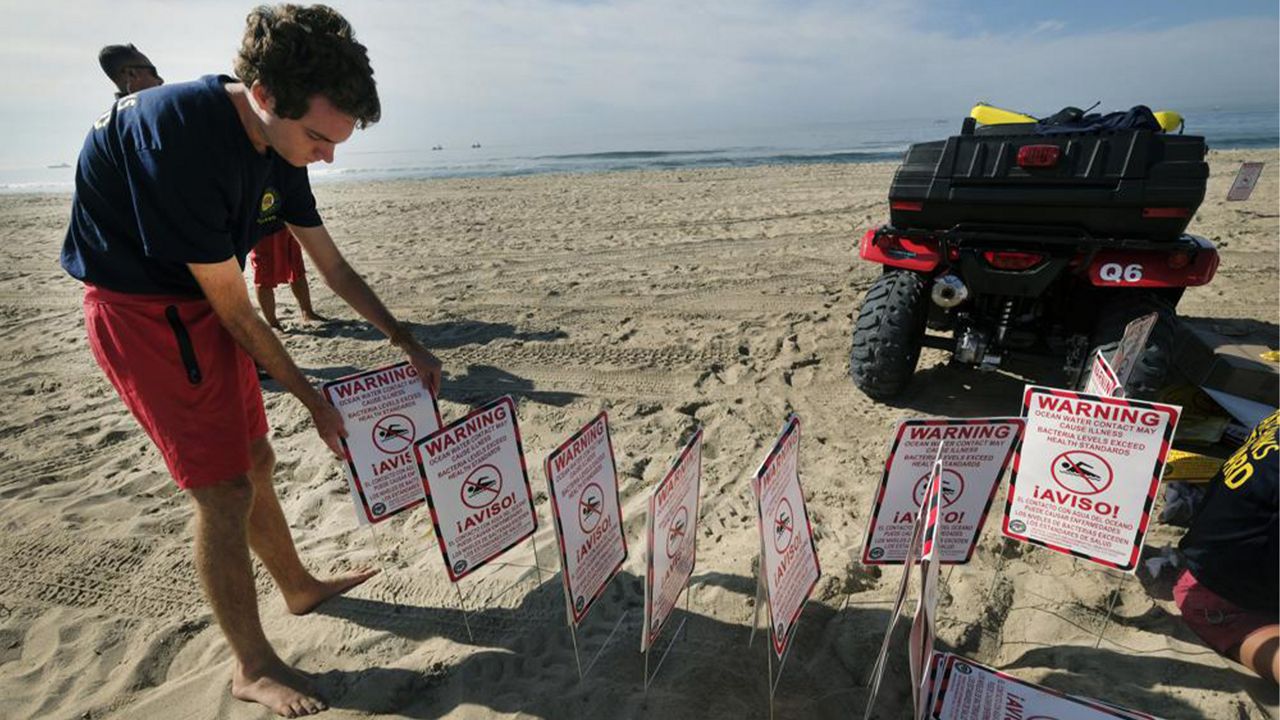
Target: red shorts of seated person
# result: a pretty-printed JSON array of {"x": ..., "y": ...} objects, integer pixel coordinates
[
  {"x": 193, "y": 389},
  {"x": 1220, "y": 623},
  {"x": 277, "y": 260}
]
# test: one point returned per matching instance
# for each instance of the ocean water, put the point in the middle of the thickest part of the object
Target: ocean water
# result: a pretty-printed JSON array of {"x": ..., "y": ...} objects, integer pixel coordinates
[{"x": 852, "y": 142}]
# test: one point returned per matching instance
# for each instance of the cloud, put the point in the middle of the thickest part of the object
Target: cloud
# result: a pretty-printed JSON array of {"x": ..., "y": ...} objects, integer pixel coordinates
[
  {"x": 522, "y": 71},
  {"x": 1048, "y": 26}
]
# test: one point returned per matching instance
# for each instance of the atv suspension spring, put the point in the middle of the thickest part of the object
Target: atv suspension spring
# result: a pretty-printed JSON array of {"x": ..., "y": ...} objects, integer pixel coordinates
[{"x": 1006, "y": 315}]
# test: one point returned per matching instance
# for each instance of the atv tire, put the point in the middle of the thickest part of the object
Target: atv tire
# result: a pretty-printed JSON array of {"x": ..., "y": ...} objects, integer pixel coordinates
[
  {"x": 887, "y": 334},
  {"x": 1152, "y": 372}
]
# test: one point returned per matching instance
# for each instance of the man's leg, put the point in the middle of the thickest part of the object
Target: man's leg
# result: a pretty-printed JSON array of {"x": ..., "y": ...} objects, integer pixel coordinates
[
  {"x": 302, "y": 292},
  {"x": 222, "y": 561},
  {"x": 267, "y": 304},
  {"x": 1260, "y": 652},
  {"x": 271, "y": 540}
]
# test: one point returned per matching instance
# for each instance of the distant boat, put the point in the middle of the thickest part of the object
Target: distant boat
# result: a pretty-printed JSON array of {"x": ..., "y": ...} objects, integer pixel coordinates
[
  {"x": 475, "y": 145},
  {"x": 59, "y": 166},
  {"x": 437, "y": 147}
]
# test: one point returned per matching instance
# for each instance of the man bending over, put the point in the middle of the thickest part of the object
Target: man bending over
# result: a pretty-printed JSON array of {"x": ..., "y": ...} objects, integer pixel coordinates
[{"x": 168, "y": 189}]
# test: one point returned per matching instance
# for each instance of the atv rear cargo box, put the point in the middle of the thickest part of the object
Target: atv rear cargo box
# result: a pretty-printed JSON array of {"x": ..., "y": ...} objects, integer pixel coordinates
[{"x": 1128, "y": 183}]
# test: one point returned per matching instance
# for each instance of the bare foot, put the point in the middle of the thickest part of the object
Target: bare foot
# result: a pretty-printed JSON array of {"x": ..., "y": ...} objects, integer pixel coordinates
[
  {"x": 280, "y": 688},
  {"x": 274, "y": 323},
  {"x": 303, "y": 602},
  {"x": 314, "y": 317}
]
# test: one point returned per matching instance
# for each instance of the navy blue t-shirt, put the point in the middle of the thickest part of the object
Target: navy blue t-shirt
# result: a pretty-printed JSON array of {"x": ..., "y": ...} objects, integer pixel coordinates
[
  {"x": 169, "y": 177},
  {"x": 1233, "y": 546}
]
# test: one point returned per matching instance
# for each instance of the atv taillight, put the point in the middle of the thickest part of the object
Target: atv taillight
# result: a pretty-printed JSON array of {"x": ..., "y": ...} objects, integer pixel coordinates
[
  {"x": 1010, "y": 260},
  {"x": 1038, "y": 156},
  {"x": 1179, "y": 260},
  {"x": 1166, "y": 212},
  {"x": 909, "y": 205}
]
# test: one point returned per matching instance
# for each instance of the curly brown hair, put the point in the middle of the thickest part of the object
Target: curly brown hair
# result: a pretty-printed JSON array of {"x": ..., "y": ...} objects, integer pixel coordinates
[{"x": 298, "y": 52}]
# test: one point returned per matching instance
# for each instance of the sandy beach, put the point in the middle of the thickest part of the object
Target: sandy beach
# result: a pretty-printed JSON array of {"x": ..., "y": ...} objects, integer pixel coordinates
[{"x": 670, "y": 299}]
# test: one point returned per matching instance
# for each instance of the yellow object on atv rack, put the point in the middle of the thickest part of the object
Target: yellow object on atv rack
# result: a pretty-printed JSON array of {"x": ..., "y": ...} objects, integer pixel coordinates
[
  {"x": 991, "y": 115},
  {"x": 985, "y": 114}
]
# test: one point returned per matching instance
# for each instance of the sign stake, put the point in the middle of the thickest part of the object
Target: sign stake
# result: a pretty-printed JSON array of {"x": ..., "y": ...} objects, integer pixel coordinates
[
  {"x": 573, "y": 631},
  {"x": 536, "y": 563},
  {"x": 463, "y": 606},
  {"x": 755, "y": 615},
  {"x": 1111, "y": 606}
]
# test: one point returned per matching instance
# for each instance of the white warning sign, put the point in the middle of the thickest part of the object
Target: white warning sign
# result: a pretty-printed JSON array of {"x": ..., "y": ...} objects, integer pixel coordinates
[
  {"x": 1086, "y": 474},
  {"x": 969, "y": 691},
  {"x": 975, "y": 453},
  {"x": 789, "y": 563},
  {"x": 1102, "y": 379},
  {"x": 1246, "y": 180},
  {"x": 1132, "y": 345},
  {"x": 671, "y": 538},
  {"x": 583, "y": 479},
  {"x": 477, "y": 487},
  {"x": 385, "y": 411}
]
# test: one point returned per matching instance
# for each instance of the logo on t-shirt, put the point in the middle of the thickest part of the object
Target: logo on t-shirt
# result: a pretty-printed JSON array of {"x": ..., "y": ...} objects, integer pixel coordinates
[{"x": 270, "y": 207}]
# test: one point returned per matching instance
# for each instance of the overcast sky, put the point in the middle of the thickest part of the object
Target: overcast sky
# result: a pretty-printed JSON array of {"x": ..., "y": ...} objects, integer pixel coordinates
[{"x": 529, "y": 71}]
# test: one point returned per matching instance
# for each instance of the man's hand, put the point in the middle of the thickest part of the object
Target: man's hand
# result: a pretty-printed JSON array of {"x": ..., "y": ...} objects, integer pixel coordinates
[
  {"x": 329, "y": 426},
  {"x": 348, "y": 284},
  {"x": 427, "y": 365}
]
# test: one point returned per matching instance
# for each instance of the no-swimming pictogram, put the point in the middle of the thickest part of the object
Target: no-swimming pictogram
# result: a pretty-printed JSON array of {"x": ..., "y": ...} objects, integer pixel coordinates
[
  {"x": 482, "y": 486},
  {"x": 678, "y": 531},
  {"x": 393, "y": 434},
  {"x": 590, "y": 505},
  {"x": 1082, "y": 472},
  {"x": 783, "y": 526},
  {"x": 952, "y": 487}
]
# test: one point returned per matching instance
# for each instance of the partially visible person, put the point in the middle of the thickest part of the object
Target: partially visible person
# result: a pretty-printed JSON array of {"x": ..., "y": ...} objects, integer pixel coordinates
[
  {"x": 277, "y": 260},
  {"x": 1230, "y": 592},
  {"x": 128, "y": 68}
]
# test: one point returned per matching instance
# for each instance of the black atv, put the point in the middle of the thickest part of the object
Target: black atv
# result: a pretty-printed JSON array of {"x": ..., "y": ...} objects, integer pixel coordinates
[{"x": 1006, "y": 241}]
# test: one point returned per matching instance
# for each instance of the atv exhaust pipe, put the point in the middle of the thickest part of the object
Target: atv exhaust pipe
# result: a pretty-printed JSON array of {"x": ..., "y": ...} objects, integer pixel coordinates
[{"x": 949, "y": 291}]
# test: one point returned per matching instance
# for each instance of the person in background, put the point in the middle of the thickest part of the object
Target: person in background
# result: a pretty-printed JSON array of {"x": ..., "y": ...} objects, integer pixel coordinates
[
  {"x": 1229, "y": 594},
  {"x": 277, "y": 260},
  {"x": 129, "y": 69},
  {"x": 168, "y": 191}
]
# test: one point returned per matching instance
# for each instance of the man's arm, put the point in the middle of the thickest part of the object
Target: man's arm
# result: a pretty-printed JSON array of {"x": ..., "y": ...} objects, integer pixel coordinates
[
  {"x": 347, "y": 283},
  {"x": 223, "y": 286}
]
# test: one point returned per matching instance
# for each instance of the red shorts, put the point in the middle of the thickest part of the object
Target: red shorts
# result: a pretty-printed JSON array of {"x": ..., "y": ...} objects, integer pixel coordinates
[
  {"x": 277, "y": 260},
  {"x": 1222, "y": 624},
  {"x": 190, "y": 385}
]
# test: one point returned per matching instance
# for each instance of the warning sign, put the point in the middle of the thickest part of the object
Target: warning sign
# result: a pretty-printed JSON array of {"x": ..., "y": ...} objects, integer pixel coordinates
[
  {"x": 477, "y": 487},
  {"x": 974, "y": 455},
  {"x": 385, "y": 411},
  {"x": 671, "y": 545},
  {"x": 969, "y": 691},
  {"x": 1102, "y": 379},
  {"x": 789, "y": 566},
  {"x": 1132, "y": 345},
  {"x": 583, "y": 479},
  {"x": 1086, "y": 474},
  {"x": 1246, "y": 180}
]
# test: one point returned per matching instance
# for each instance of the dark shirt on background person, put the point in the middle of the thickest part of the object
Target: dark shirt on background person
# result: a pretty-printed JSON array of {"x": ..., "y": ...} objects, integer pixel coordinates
[{"x": 1233, "y": 546}]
